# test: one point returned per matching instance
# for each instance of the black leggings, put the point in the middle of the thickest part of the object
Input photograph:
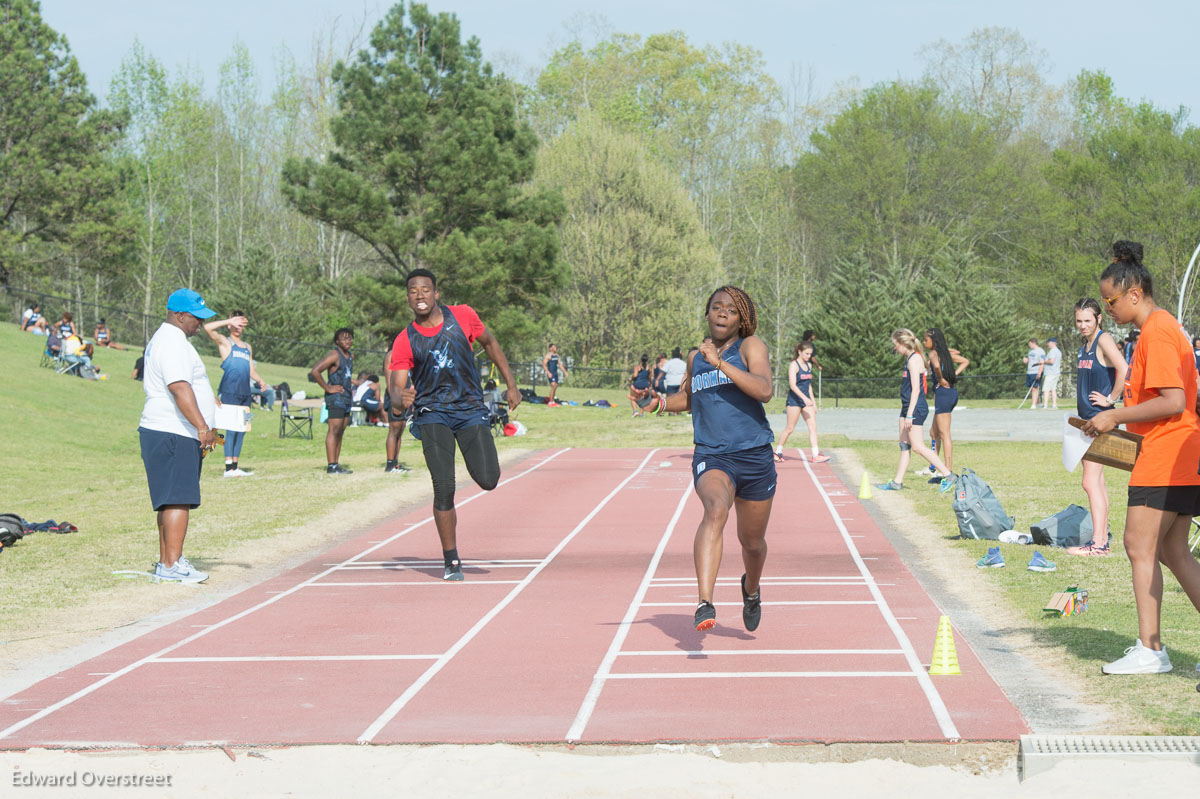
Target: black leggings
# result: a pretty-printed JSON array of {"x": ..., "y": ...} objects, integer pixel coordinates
[{"x": 478, "y": 449}]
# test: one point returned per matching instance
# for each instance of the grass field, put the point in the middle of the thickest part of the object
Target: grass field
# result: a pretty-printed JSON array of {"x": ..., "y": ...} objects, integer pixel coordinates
[
  {"x": 69, "y": 451},
  {"x": 1029, "y": 480}
]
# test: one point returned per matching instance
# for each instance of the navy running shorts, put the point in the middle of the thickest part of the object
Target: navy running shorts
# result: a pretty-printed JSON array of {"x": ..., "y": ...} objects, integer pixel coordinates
[
  {"x": 752, "y": 471},
  {"x": 944, "y": 399},
  {"x": 172, "y": 468},
  {"x": 919, "y": 415},
  {"x": 1033, "y": 380},
  {"x": 795, "y": 400},
  {"x": 1184, "y": 500}
]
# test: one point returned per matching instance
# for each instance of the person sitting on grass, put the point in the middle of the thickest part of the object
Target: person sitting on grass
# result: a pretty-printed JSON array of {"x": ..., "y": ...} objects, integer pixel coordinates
[
  {"x": 640, "y": 391},
  {"x": 33, "y": 321},
  {"x": 104, "y": 337}
]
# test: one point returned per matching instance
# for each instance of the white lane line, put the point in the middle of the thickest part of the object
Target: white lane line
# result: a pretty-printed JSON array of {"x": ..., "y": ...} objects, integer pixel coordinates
[
  {"x": 433, "y": 566},
  {"x": 82, "y": 692},
  {"x": 931, "y": 694},
  {"x": 739, "y": 604},
  {"x": 291, "y": 658},
  {"x": 412, "y": 690},
  {"x": 770, "y": 584},
  {"x": 409, "y": 582},
  {"x": 737, "y": 580},
  {"x": 438, "y": 563},
  {"x": 605, "y": 669},
  {"x": 716, "y": 675},
  {"x": 706, "y": 652}
]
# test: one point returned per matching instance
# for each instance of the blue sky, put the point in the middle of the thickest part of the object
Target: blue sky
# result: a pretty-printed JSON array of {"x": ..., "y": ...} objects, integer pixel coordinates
[{"x": 1145, "y": 47}]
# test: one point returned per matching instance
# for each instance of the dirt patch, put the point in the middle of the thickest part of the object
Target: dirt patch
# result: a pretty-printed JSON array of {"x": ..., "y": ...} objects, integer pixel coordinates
[
  {"x": 111, "y": 619},
  {"x": 1038, "y": 678}
]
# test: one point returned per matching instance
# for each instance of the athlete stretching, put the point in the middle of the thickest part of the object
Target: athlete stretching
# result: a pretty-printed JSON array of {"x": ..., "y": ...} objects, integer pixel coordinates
[
  {"x": 727, "y": 381},
  {"x": 446, "y": 398}
]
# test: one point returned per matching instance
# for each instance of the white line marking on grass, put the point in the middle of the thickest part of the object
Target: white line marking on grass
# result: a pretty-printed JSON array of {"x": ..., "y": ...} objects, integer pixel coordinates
[
  {"x": 706, "y": 652},
  {"x": 931, "y": 694},
  {"x": 412, "y": 690},
  {"x": 715, "y": 675},
  {"x": 291, "y": 658},
  {"x": 59, "y": 705},
  {"x": 614, "y": 648}
]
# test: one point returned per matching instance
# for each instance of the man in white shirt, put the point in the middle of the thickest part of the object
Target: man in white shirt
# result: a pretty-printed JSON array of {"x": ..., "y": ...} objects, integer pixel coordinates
[
  {"x": 673, "y": 371},
  {"x": 176, "y": 429},
  {"x": 1051, "y": 375}
]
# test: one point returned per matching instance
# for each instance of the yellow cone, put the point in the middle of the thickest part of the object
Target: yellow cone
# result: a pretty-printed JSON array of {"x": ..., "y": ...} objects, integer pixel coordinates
[
  {"x": 864, "y": 490},
  {"x": 945, "y": 658}
]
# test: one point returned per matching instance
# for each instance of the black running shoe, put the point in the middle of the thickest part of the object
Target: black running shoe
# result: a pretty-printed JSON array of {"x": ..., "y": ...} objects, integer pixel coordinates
[
  {"x": 706, "y": 616},
  {"x": 453, "y": 572},
  {"x": 337, "y": 468},
  {"x": 751, "y": 607}
]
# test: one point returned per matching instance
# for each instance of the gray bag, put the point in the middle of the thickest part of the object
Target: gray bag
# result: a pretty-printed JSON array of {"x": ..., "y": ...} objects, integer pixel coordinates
[
  {"x": 978, "y": 512},
  {"x": 1070, "y": 527}
]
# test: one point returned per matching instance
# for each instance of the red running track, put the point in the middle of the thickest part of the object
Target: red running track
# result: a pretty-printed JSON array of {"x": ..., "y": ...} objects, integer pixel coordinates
[{"x": 574, "y": 624}]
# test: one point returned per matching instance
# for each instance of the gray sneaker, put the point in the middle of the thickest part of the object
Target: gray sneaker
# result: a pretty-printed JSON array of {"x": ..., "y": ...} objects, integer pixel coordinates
[{"x": 182, "y": 572}]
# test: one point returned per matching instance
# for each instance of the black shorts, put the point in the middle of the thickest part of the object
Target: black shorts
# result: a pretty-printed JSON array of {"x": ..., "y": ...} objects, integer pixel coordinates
[
  {"x": 172, "y": 468},
  {"x": 1184, "y": 500},
  {"x": 335, "y": 407}
]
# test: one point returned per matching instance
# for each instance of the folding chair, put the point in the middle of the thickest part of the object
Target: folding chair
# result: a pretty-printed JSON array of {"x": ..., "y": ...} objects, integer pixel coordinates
[
  {"x": 295, "y": 422},
  {"x": 68, "y": 366}
]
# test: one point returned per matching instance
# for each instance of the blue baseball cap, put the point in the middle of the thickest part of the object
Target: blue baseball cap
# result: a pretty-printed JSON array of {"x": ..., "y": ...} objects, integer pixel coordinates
[{"x": 188, "y": 301}]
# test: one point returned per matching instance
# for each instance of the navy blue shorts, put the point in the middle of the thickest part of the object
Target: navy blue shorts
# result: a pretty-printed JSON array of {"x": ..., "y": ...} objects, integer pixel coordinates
[
  {"x": 752, "y": 471},
  {"x": 1033, "y": 380},
  {"x": 795, "y": 400},
  {"x": 919, "y": 415},
  {"x": 172, "y": 468},
  {"x": 456, "y": 420},
  {"x": 944, "y": 399}
]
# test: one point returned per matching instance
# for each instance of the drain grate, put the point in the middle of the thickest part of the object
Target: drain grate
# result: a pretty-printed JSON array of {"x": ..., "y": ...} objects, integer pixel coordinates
[{"x": 1042, "y": 752}]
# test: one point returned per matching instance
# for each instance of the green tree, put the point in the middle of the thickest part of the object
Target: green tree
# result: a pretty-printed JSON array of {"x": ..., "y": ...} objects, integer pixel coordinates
[
  {"x": 429, "y": 169},
  {"x": 641, "y": 265},
  {"x": 56, "y": 187}
]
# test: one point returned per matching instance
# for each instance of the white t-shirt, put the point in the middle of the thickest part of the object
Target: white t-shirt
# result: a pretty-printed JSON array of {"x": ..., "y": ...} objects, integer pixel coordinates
[
  {"x": 673, "y": 371},
  {"x": 362, "y": 390},
  {"x": 169, "y": 359},
  {"x": 1053, "y": 362}
]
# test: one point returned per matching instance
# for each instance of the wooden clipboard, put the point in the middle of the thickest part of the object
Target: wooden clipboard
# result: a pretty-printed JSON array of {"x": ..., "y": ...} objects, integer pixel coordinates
[{"x": 1117, "y": 448}]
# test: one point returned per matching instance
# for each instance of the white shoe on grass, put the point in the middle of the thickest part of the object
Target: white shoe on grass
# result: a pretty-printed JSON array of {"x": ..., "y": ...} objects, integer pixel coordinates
[
  {"x": 1140, "y": 659},
  {"x": 182, "y": 572}
]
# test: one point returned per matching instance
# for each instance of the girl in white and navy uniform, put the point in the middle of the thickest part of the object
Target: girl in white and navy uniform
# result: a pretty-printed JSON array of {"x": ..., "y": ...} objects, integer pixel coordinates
[
  {"x": 914, "y": 409},
  {"x": 727, "y": 381}
]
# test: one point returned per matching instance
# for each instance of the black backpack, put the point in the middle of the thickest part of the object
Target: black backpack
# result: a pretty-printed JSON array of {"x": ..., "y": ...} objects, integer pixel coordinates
[{"x": 12, "y": 529}]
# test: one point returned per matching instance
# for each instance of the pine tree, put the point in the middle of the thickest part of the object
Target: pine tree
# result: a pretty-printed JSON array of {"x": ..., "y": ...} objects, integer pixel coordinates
[{"x": 430, "y": 168}]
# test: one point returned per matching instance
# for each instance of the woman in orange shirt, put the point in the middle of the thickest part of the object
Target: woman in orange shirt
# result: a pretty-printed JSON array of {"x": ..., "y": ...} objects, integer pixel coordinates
[{"x": 1164, "y": 489}]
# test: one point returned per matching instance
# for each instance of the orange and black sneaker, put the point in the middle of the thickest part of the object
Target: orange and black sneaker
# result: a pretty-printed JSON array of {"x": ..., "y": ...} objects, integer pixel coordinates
[
  {"x": 706, "y": 616},
  {"x": 751, "y": 607}
]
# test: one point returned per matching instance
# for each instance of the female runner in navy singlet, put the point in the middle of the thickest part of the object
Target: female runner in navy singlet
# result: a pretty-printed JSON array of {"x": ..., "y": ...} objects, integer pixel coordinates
[
  {"x": 727, "y": 381},
  {"x": 914, "y": 409},
  {"x": 1099, "y": 383}
]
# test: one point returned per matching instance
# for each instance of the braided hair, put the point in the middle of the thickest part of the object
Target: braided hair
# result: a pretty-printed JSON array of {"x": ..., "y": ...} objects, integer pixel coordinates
[{"x": 747, "y": 312}]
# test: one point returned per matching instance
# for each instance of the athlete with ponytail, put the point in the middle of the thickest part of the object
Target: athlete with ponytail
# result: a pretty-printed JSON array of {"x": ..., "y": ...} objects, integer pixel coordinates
[
  {"x": 914, "y": 409},
  {"x": 1164, "y": 487},
  {"x": 728, "y": 379},
  {"x": 1100, "y": 381},
  {"x": 946, "y": 365}
]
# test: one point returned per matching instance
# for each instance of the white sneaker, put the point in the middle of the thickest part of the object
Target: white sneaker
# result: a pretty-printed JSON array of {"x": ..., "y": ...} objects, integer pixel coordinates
[
  {"x": 1140, "y": 659},
  {"x": 238, "y": 473},
  {"x": 1014, "y": 537},
  {"x": 181, "y": 572}
]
